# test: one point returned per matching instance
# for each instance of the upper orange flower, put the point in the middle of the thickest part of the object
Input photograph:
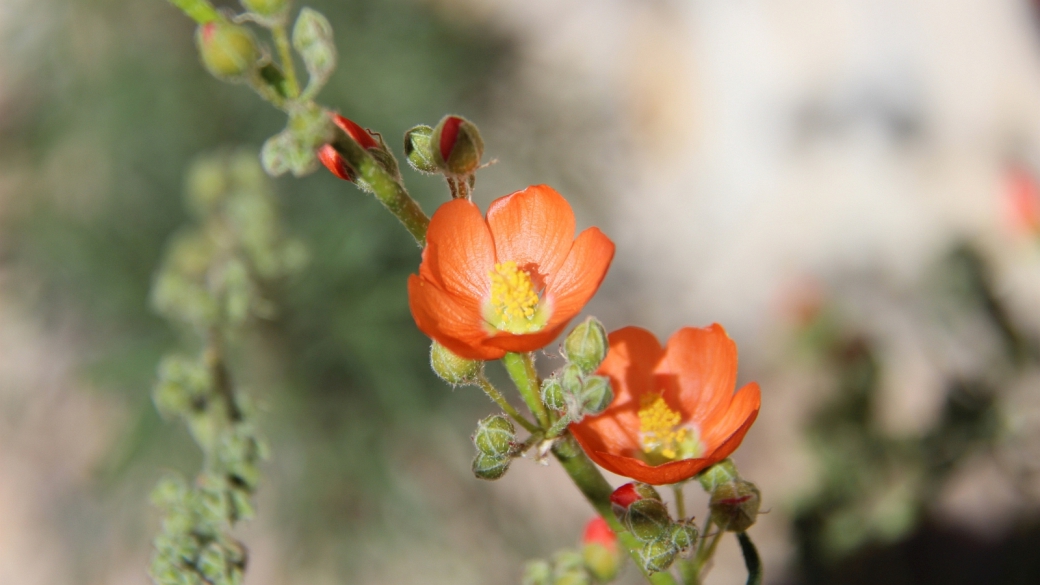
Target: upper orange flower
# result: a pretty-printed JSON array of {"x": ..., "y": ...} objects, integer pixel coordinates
[
  {"x": 508, "y": 283},
  {"x": 674, "y": 412}
]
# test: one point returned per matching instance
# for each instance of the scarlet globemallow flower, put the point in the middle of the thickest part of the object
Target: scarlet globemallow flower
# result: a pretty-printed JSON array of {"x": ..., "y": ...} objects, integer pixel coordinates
[
  {"x": 333, "y": 160},
  {"x": 508, "y": 283},
  {"x": 674, "y": 412}
]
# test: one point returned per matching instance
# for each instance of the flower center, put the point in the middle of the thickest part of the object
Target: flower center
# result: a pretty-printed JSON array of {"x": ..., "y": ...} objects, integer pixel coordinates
[
  {"x": 514, "y": 305},
  {"x": 660, "y": 435}
]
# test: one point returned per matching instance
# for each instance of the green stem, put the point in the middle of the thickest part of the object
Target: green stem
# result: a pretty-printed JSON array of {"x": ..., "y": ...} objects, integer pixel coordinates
[
  {"x": 521, "y": 369},
  {"x": 597, "y": 491},
  {"x": 387, "y": 188},
  {"x": 281, "y": 40},
  {"x": 704, "y": 554},
  {"x": 200, "y": 11},
  {"x": 502, "y": 403},
  {"x": 680, "y": 501},
  {"x": 751, "y": 559}
]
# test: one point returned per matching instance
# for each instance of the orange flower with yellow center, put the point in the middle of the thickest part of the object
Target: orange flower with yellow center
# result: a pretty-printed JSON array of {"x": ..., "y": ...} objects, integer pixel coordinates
[
  {"x": 507, "y": 283},
  {"x": 674, "y": 411}
]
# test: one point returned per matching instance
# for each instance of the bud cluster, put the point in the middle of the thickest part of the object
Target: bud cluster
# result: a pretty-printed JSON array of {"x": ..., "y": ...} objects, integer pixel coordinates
[
  {"x": 575, "y": 391},
  {"x": 734, "y": 501},
  {"x": 640, "y": 509},
  {"x": 452, "y": 148}
]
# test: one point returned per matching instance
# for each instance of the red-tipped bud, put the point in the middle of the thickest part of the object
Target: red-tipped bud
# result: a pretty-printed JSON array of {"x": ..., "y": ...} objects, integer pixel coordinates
[
  {"x": 458, "y": 146},
  {"x": 334, "y": 161},
  {"x": 734, "y": 505},
  {"x": 228, "y": 51},
  {"x": 363, "y": 137},
  {"x": 632, "y": 492},
  {"x": 599, "y": 550}
]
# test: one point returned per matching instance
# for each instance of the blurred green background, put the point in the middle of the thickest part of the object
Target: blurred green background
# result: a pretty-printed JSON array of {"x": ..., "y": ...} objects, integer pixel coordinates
[{"x": 842, "y": 217}]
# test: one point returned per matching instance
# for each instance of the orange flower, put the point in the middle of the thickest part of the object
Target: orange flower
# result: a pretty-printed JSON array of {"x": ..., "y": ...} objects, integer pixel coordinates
[
  {"x": 509, "y": 283},
  {"x": 674, "y": 411}
]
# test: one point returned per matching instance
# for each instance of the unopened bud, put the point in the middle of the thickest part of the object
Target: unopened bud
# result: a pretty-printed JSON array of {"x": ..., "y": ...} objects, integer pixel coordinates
[
  {"x": 490, "y": 467},
  {"x": 658, "y": 555},
  {"x": 266, "y": 8},
  {"x": 451, "y": 368},
  {"x": 597, "y": 395},
  {"x": 228, "y": 51},
  {"x": 552, "y": 394},
  {"x": 648, "y": 520},
  {"x": 684, "y": 535},
  {"x": 734, "y": 506},
  {"x": 418, "y": 149},
  {"x": 571, "y": 380},
  {"x": 457, "y": 146},
  {"x": 600, "y": 550},
  {"x": 575, "y": 577},
  {"x": 722, "y": 472},
  {"x": 537, "y": 573},
  {"x": 632, "y": 492},
  {"x": 587, "y": 345},
  {"x": 495, "y": 436}
]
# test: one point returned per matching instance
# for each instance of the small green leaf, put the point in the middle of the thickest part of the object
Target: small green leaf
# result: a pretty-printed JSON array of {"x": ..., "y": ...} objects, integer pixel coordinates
[
  {"x": 312, "y": 39},
  {"x": 284, "y": 152}
]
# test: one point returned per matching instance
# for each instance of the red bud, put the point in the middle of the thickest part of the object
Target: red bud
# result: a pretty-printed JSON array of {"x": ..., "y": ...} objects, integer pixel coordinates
[
  {"x": 598, "y": 531},
  {"x": 335, "y": 163},
  {"x": 359, "y": 134}
]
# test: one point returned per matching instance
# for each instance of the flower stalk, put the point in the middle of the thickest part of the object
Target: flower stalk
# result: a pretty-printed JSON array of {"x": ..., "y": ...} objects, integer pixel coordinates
[{"x": 521, "y": 369}]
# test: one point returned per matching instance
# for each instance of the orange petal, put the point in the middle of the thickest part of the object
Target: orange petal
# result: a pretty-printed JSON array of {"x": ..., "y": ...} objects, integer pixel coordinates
[
  {"x": 534, "y": 228},
  {"x": 570, "y": 288},
  {"x": 742, "y": 411},
  {"x": 703, "y": 364},
  {"x": 630, "y": 362},
  {"x": 452, "y": 321},
  {"x": 459, "y": 251},
  {"x": 667, "y": 473}
]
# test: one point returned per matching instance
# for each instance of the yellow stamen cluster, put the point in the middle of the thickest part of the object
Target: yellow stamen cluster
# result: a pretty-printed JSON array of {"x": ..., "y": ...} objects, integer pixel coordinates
[
  {"x": 657, "y": 427},
  {"x": 512, "y": 292}
]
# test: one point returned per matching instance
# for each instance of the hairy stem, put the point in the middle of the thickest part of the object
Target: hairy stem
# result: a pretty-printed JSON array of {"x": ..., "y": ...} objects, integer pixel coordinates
[
  {"x": 597, "y": 491},
  {"x": 502, "y": 403},
  {"x": 521, "y": 369},
  {"x": 281, "y": 40}
]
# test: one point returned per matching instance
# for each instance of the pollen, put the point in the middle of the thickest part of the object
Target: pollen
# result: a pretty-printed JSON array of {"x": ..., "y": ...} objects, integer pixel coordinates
[
  {"x": 513, "y": 297},
  {"x": 658, "y": 432}
]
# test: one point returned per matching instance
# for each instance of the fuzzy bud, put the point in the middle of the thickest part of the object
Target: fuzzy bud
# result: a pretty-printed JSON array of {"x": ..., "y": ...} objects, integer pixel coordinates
[
  {"x": 734, "y": 505},
  {"x": 684, "y": 535},
  {"x": 648, "y": 520},
  {"x": 418, "y": 149},
  {"x": 586, "y": 346},
  {"x": 722, "y": 472},
  {"x": 571, "y": 380},
  {"x": 658, "y": 555},
  {"x": 600, "y": 550},
  {"x": 457, "y": 146},
  {"x": 597, "y": 394},
  {"x": 451, "y": 368},
  {"x": 228, "y": 51},
  {"x": 495, "y": 436},
  {"x": 490, "y": 467},
  {"x": 334, "y": 161},
  {"x": 552, "y": 394}
]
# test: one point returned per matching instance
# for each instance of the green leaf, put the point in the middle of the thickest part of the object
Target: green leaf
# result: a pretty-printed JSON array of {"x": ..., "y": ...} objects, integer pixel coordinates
[{"x": 312, "y": 39}]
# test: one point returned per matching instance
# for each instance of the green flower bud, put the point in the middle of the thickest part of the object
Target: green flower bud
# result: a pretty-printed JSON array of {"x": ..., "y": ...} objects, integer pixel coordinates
[
  {"x": 648, "y": 520},
  {"x": 228, "y": 51},
  {"x": 587, "y": 345},
  {"x": 266, "y": 8},
  {"x": 597, "y": 395},
  {"x": 623, "y": 498},
  {"x": 537, "y": 572},
  {"x": 495, "y": 436},
  {"x": 451, "y": 368},
  {"x": 658, "y": 555},
  {"x": 457, "y": 146},
  {"x": 571, "y": 379},
  {"x": 684, "y": 535},
  {"x": 490, "y": 467},
  {"x": 418, "y": 150},
  {"x": 552, "y": 394},
  {"x": 575, "y": 577},
  {"x": 734, "y": 505},
  {"x": 722, "y": 472}
]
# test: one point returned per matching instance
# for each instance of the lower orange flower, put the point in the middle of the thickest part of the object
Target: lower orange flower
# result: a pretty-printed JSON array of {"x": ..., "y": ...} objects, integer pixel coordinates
[{"x": 674, "y": 412}]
